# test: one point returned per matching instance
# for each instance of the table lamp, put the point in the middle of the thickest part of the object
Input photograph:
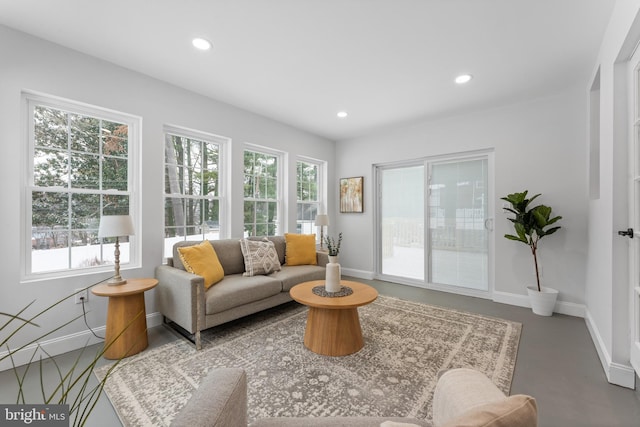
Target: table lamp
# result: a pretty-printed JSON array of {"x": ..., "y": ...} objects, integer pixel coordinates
[
  {"x": 116, "y": 226},
  {"x": 322, "y": 220}
]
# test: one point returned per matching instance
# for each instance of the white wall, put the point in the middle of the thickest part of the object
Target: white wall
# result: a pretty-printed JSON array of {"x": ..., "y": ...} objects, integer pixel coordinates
[
  {"x": 607, "y": 293},
  {"x": 36, "y": 65},
  {"x": 539, "y": 146}
]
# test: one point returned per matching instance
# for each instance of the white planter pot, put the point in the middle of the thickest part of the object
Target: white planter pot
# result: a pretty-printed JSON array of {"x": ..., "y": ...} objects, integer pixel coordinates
[{"x": 542, "y": 303}]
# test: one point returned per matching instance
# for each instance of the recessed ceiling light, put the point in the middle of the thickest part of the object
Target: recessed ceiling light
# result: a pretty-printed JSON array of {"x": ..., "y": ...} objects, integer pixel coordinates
[
  {"x": 342, "y": 114},
  {"x": 202, "y": 44},
  {"x": 463, "y": 78}
]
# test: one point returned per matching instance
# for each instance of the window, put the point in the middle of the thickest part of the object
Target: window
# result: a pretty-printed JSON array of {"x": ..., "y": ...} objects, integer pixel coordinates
[
  {"x": 261, "y": 193},
  {"x": 309, "y": 194},
  {"x": 192, "y": 186},
  {"x": 80, "y": 166}
]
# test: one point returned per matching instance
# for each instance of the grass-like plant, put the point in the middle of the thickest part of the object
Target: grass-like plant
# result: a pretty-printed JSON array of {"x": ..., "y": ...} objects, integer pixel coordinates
[
  {"x": 71, "y": 386},
  {"x": 332, "y": 247}
]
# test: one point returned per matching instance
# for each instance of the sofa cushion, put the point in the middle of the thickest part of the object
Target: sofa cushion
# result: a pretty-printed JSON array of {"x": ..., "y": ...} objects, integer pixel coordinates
[
  {"x": 176, "y": 261},
  {"x": 230, "y": 255},
  {"x": 260, "y": 257},
  {"x": 300, "y": 249},
  {"x": 201, "y": 259},
  {"x": 293, "y": 275},
  {"x": 228, "y": 251},
  {"x": 514, "y": 411},
  {"x": 236, "y": 290}
]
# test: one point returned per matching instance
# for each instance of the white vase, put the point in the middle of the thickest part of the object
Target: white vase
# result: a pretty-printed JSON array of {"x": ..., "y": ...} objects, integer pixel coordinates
[
  {"x": 543, "y": 301},
  {"x": 332, "y": 275}
]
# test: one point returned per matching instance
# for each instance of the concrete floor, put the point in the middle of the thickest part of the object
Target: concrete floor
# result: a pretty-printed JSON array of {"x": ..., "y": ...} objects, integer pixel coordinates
[{"x": 557, "y": 364}]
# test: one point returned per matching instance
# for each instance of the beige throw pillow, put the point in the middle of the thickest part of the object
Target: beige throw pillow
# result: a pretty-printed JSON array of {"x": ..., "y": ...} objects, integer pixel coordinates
[{"x": 260, "y": 257}]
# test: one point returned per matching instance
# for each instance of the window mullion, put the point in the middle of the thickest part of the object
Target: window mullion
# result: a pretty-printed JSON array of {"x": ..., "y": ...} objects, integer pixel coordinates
[{"x": 64, "y": 135}]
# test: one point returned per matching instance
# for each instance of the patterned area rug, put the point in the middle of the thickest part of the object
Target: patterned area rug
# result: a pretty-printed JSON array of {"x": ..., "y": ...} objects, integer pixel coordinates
[{"x": 406, "y": 345}]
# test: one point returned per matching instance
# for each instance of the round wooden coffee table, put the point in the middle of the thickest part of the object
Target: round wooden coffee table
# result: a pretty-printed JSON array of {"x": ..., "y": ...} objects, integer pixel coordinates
[
  {"x": 126, "y": 332},
  {"x": 333, "y": 326}
]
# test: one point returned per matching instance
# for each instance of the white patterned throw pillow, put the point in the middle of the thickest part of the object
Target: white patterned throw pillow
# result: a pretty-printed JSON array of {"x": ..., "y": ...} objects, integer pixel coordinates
[{"x": 260, "y": 257}]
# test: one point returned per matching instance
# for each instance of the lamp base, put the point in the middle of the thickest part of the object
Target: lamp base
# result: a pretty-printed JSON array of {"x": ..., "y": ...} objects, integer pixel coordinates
[{"x": 115, "y": 281}]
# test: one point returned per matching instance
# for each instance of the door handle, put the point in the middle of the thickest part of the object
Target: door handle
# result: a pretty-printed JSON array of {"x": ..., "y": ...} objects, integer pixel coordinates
[
  {"x": 628, "y": 232},
  {"x": 488, "y": 224}
]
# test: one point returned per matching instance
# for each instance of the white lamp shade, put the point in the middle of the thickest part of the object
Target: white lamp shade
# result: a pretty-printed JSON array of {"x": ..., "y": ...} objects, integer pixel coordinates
[
  {"x": 115, "y": 226},
  {"x": 322, "y": 220}
]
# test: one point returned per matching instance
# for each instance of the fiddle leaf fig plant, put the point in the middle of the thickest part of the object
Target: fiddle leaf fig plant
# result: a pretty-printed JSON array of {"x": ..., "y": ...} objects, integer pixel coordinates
[{"x": 530, "y": 224}]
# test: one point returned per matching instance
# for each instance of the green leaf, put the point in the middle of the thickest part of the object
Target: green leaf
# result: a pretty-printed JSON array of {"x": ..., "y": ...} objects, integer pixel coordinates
[
  {"x": 552, "y": 230},
  {"x": 516, "y": 238},
  {"x": 553, "y": 220}
]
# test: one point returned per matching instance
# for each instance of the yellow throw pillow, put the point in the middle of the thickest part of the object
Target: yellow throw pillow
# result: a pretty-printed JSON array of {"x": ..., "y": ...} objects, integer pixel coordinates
[
  {"x": 201, "y": 259},
  {"x": 300, "y": 249}
]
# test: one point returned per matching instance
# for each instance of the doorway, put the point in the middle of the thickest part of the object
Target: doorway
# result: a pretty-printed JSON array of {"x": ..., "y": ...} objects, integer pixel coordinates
[
  {"x": 435, "y": 223},
  {"x": 633, "y": 85}
]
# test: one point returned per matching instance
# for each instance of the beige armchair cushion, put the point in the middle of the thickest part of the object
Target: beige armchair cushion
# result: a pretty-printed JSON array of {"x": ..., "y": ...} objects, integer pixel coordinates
[
  {"x": 515, "y": 411},
  {"x": 467, "y": 398}
]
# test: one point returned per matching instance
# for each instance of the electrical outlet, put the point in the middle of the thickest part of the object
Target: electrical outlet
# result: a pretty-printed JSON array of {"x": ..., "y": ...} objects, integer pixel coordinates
[{"x": 80, "y": 295}]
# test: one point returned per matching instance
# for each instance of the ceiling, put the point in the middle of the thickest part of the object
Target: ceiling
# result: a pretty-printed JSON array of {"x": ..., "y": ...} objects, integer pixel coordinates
[{"x": 385, "y": 62}]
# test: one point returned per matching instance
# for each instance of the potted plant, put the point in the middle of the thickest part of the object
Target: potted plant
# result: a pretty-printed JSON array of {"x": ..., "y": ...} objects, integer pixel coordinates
[
  {"x": 530, "y": 225},
  {"x": 70, "y": 386},
  {"x": 333, "y": 273},
  {"x": 333, "y": 248}
]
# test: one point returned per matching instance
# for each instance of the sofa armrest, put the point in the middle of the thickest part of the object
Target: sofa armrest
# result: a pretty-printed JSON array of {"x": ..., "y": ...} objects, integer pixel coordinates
[
  {"x": 459, "y": 390},
  {"x": 180, "y": 297},
  {"x": 219, "y": 401}
]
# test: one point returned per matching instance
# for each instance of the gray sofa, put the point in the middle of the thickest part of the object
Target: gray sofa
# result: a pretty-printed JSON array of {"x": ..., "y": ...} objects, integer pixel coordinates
[
  {"x": 462, "y": 397},
  {"x": 182, "y": 299}
]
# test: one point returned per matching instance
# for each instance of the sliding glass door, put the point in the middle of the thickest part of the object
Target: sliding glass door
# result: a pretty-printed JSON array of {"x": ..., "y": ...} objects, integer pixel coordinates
[
  {"x": 402, "y": 221},
  {"x": 434, "y": 223},
  {"x": 458, "y": 213}
]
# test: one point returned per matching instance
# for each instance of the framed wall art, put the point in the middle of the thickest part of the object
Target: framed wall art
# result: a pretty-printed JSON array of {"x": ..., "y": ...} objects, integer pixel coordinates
[{"x": 351, "y": 195}]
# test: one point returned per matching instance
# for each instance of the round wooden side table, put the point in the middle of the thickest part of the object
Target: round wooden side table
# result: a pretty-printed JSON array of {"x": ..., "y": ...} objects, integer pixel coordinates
[
  {"x": 126, "y": 317},
  {"x": 333, "y": 325}
]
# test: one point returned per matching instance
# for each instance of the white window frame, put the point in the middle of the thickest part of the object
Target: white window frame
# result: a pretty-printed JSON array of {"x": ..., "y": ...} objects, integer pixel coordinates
[
  {"x": 223, "y": 171},
  {"x": 29, "y": 101},
  {"x": 281, "y": 158},
  {"x": 321, "y": 189}
]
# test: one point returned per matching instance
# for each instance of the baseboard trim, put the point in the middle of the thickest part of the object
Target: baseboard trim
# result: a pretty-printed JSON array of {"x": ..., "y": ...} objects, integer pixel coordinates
[
  {"x": 519, "y": 300},
  {"x": 63, "y": 344},
  {"x": 616, "y": 373},
  {"x": 562, "y": 307},
  {"x": 359, "y": 274}
]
